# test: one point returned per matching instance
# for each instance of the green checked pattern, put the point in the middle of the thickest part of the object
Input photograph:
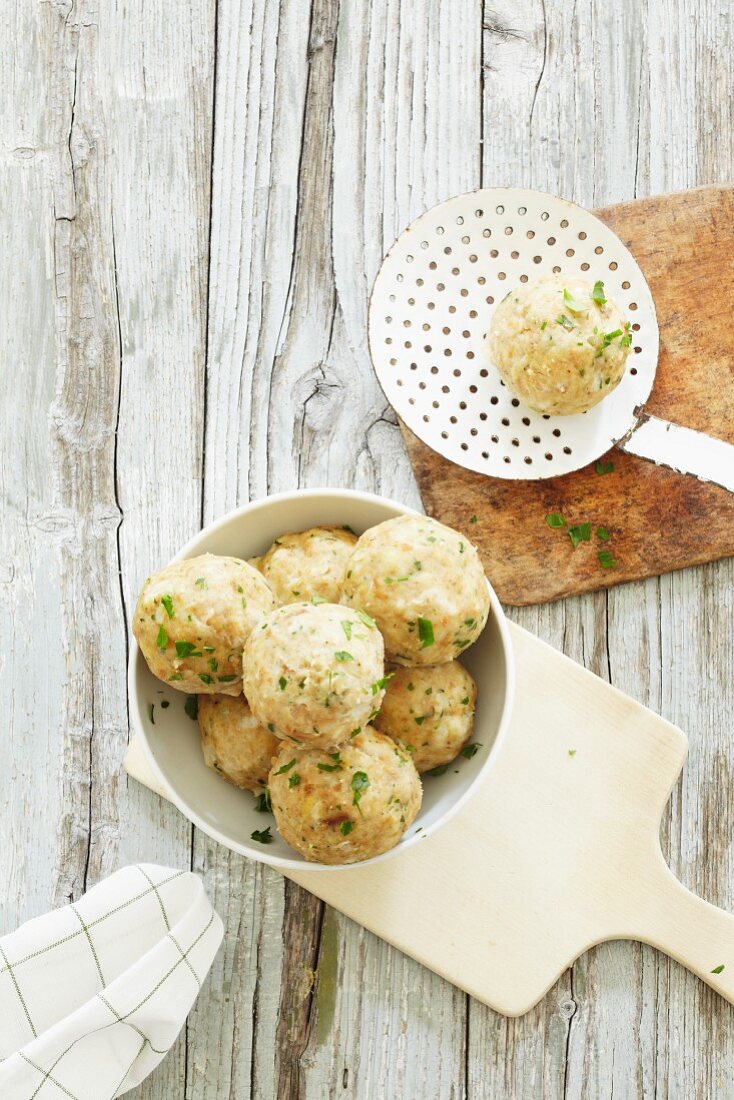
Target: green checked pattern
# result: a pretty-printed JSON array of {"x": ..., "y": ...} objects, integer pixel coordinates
[{"x": 102, "y": 983}]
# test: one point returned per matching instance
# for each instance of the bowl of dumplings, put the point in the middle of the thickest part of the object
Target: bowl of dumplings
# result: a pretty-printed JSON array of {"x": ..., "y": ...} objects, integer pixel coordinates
[{"x": 321, "y": 678}]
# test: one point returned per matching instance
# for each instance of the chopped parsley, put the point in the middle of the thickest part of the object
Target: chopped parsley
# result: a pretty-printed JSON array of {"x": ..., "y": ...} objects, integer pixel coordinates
[
  {"x": 603, "y": 534},
  {"x": 580, "y": 533},
  {"x": 367, "y": 619},
  {"x": 329, "y": 767},
  {"x": 262, "y": 836},
  {"x": 176, "y": 676},
  {"x": 201, "y": 582},
  {"x": 598, "y": 295},
  {"x": 718, "y": 969},
  {"x": 355, "y": 732},
  {"x": 471, "y": 750},
  {"x": 346, "y": 827},
  {"x": 167, "y": 602},
  {"x": 440, "y": 770},
  {"x": 286, "y": 767},
  {"x": 573, "y": 304},
  {"x": 425, "y": 633},
  {"x": 150, "y": 713},
  {"x": 191, "y": 706},
  {"x": 420, "y": 719},
  {"x": 187, "y": 649},
  {"x": 162, "y": 639},
  {"x": 606, "y": 559},
  {"x": 294, "y": 780},
  {"x": 342, "y": 655},
  {"x": 555, "y": 519},
  {"x": 572, "y": 752},
  {"x": 603, "y": 467},
  {"x": 564, "y": 322},
  {"x": 282, "y": 683},
  {"x": 606, "y": 339},
  {"x": 382, "y": 683},
  {"x": 360, "y": 783},
  {"x": 347, "y": 628},
  {"x": 262, "y": 802},
  {"x": 318, "y": 599},
  {"x": 226, "y": 679},
  {"x": 205, "y": 678}
]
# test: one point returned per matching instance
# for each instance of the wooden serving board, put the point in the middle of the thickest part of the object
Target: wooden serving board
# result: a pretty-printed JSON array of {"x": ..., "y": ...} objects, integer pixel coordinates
[
  {"x": 557, "y": 851},
  {"x": 659, "y": 520}
]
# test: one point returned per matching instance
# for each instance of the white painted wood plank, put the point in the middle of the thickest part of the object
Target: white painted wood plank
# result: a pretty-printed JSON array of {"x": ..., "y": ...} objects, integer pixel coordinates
[
  {"x": 156, "y": 88},
  {"x": 382, "y": 1024},
  {"x": 103, "y": 400},
  {"x": 32, "y": 530},
  {"x": 259, "y": 97}
]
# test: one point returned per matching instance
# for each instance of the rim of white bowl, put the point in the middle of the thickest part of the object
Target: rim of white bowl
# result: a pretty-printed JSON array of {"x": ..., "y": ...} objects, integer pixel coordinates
[{"x": 261, "y": 855}]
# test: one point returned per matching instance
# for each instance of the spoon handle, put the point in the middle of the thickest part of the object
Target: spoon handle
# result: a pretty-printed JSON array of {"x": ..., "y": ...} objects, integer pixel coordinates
[{"x": 682, "y": 449}]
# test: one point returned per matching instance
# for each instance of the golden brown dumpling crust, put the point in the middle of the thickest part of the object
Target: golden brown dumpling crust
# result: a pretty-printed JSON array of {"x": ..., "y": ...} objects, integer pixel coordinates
[
  {"x": 423, "y": 584},
  {"x": 314, "y": 672},
  {"x": 557, "y": 346},
  {"x": 345, "y": 806},
  {"x": 193, "y": 618},
  {"x": 304, "y": 564},
  {"x": 429, "y": 710},
  {"x": 234, "y": 743}
]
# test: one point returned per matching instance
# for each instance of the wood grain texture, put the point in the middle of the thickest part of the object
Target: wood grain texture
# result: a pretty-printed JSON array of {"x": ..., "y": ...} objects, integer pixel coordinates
[
  {"x": 210, "y": 199},
  {"x": 658, "y": 520}
]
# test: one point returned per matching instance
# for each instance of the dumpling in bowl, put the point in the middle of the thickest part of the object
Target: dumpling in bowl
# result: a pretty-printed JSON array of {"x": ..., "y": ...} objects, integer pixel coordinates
[
  {"x": 234, "y": 743},
  {"x": 430, "y": 711},
  {"x": 307, "y": 564},
  {"x": 424, "y": 586},
  {"x": 314, "y": 673},
  {"x": 345, "y": 806},
  {"x": 193, "y": 618}
]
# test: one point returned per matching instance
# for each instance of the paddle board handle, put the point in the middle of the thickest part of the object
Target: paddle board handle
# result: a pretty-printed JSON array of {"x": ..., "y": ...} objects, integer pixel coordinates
[
  {"x": 682, "y": 449},
  {"x": 695, "y": 933}
]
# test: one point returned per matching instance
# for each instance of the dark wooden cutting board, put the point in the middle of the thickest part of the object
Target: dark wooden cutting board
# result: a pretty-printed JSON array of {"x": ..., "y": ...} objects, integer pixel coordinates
[{"x": 659, "y": 520}]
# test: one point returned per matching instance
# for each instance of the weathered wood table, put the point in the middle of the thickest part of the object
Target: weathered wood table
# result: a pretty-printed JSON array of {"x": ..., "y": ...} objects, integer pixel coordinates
[{"x": 195, "y": 199}]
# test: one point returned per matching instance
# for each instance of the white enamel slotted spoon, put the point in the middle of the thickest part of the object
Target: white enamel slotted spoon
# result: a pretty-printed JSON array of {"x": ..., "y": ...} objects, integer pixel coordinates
[{"x": 431, "y": 307}]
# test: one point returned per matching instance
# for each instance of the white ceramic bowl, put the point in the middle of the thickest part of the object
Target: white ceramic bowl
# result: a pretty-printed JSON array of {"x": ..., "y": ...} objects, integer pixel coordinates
[{"x": 171, "y": 742}]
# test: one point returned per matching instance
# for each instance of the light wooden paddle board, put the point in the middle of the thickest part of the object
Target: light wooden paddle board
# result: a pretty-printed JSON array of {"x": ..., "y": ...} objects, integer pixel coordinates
[{"x": 557, "y": 851}]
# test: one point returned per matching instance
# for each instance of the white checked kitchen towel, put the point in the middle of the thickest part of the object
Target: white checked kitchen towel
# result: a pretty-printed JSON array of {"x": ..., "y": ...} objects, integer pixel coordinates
[{"x": 93, "y": 995}]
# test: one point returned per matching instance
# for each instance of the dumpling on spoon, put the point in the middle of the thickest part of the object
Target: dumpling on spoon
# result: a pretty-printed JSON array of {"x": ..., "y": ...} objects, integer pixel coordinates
[{"x": 559, "y": 344}]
